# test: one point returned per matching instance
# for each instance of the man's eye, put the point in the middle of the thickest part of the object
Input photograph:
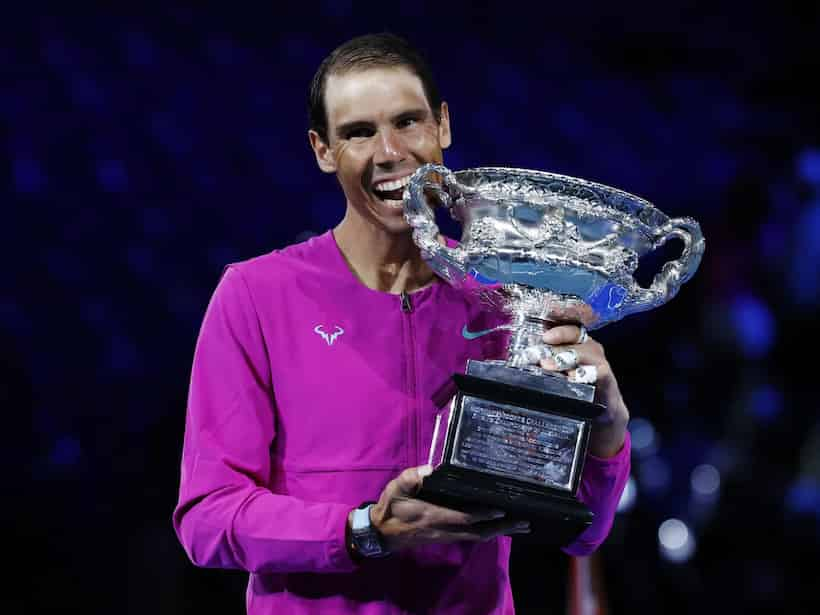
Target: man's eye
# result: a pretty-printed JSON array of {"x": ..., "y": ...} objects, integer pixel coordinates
[
  {"x": 359, "y": 133},
  {"x": 407, "y": 121}
]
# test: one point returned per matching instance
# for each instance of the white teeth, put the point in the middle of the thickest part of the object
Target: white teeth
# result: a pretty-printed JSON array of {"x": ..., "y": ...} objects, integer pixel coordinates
[
  {"x": 392, "y": 203},
  {"x": 392, "y": 185}
]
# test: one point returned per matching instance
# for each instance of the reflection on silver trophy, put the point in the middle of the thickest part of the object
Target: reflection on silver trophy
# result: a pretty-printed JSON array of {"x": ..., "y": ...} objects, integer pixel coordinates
[{"x": 544, "y": 249}]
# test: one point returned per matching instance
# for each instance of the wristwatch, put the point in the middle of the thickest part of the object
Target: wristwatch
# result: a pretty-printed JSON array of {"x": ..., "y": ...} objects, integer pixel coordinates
[{"x": 365, "y": 539}]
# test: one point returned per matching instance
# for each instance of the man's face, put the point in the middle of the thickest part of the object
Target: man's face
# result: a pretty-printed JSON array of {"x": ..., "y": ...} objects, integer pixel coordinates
[{"x": 380, "y": 130}]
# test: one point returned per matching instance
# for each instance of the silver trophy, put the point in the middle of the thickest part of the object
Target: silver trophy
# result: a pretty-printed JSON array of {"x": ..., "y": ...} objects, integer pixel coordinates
[{"x": 543, "y": 249}]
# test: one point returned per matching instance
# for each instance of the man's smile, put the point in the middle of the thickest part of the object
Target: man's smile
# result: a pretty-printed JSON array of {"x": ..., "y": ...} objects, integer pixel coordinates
[{"x": 391, "y": 191}]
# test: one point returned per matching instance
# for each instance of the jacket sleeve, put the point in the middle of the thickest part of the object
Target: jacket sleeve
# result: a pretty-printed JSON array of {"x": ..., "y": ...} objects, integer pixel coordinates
[
  {"x": 602, "y": 483},
  {"x": 226, "y": 516}
]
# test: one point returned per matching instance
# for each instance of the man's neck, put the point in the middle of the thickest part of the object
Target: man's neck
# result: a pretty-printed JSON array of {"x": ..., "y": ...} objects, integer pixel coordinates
[{"x": 380, "y": 260}]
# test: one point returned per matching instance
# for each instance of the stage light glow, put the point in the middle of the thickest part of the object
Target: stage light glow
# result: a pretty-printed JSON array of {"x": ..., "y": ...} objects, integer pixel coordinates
[
  {"x": 705, "y": 480},
  {"x": 675, "y": 541},
  {"x": 755, "y": 326},
  {"x": 628, "y": 497},
  {"x": 644, "y": 437},
  {"x": 803, "y": 496},
  {"x": 804, "y": 277}
]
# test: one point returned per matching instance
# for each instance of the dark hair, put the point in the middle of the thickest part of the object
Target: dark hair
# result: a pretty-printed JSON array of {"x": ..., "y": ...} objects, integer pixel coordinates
[{"x": 368, "y": 51}]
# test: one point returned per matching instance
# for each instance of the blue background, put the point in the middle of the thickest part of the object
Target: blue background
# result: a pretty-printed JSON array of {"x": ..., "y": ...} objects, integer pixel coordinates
[{"x": 145, "y": 148}]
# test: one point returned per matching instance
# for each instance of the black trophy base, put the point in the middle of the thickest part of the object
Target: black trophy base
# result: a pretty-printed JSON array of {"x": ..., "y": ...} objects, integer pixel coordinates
[
  {"x": 556, "y": 517},
  {"x": 553, "y": 520}
]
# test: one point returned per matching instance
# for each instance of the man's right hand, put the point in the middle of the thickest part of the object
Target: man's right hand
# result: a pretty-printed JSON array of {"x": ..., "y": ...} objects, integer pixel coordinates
[{"x": 405, "y": 521}]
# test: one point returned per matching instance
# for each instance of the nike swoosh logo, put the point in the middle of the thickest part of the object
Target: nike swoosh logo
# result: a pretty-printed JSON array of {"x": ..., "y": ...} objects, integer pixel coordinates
[{"x": 471, "y": 335}]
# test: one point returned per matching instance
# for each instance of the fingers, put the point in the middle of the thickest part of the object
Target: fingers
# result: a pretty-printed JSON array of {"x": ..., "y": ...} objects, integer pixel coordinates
[
  {"x": 567, "y": 358},
  {"x": 505, "y": 528},
  {"x": 582, "y": 359},
  {"x": 481, "y": 534},
  {"x": 568, "y": 348},
  {"x": 399, "y": 497},
  {"x": 563, "y": 334},
  {"x": 584, "y": 374},
  {"x": 562, "y": 359},
  {"x": 430, "y": 515},
  {"x": 405, "y": 521}
]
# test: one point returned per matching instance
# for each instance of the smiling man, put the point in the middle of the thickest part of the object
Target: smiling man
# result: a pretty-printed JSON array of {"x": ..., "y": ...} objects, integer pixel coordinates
[
  {"x": 374, "y": 122},
  {"x": 311, "y": 403}
]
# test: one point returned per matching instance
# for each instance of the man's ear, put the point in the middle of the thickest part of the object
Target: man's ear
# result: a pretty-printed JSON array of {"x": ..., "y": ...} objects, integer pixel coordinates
[
  {"x": 322, "y": 151},
  {"x": 444, "y": 136}
]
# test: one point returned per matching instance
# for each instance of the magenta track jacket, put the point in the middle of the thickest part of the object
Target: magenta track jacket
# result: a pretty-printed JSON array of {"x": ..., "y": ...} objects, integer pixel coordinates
[{"x": 309, "y": 393}]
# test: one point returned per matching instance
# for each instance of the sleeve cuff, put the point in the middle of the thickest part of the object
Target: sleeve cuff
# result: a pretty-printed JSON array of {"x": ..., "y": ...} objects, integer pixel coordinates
[
  {"x": 337, "y": 554},
  {"x": 601, "y": 487}
]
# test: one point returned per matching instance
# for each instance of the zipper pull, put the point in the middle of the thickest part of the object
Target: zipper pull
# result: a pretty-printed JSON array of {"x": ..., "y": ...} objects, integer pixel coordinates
[{"x": 406, "y": 306}]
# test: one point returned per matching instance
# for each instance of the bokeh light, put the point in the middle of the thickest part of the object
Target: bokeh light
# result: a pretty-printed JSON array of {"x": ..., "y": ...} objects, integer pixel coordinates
[{"x": 676, "y": 541}]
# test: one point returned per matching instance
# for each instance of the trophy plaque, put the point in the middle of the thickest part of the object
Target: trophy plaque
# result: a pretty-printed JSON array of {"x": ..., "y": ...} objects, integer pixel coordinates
[{"x": 544, "y": 249}]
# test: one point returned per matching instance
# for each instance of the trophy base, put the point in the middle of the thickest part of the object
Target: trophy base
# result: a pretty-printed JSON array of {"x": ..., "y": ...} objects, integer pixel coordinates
[
  {"x": 553, "y": 520},
  {"x": 516, "y": 441}
]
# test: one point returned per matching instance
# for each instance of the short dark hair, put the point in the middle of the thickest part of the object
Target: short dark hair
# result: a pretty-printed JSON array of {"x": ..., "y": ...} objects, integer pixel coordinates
[{"x": 369, "y": 51}]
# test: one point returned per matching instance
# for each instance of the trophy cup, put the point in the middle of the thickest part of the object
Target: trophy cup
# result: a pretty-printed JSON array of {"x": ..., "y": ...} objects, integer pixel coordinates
[{"x": 544, "y": 249}]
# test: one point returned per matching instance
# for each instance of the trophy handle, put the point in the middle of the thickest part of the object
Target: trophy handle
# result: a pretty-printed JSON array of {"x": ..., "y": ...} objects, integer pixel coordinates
[
  {"x": 437, "y": 180},
  {"x": 674, "y": 273}
]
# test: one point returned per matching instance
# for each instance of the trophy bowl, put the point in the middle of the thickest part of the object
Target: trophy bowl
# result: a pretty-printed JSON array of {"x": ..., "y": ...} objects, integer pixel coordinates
[
  {"x": 546, "y": 249},
  {"x": 575, "y": 240}
]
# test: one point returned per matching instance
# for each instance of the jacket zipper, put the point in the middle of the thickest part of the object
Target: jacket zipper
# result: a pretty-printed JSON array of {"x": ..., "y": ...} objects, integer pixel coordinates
[
  {"x": 406, "y": 306},
  {"x": 412, "y": 419}
]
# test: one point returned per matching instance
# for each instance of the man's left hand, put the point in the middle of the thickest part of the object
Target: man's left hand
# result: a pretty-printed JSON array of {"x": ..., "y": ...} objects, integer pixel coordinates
[{"x": 579, "y": 356}]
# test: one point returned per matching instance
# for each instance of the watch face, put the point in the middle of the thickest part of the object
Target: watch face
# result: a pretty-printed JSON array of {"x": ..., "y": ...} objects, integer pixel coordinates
[
  {"x": 368, "y": 544},
  {"x": 372, "y": 545},
  {"x": 365, "y": 537}
]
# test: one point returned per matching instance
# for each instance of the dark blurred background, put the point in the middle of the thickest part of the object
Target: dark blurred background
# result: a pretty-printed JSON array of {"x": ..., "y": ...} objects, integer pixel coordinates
[{"x": 145, "y": 148}]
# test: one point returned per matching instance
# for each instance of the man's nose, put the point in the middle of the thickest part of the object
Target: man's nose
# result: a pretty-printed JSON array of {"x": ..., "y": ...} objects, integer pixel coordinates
[{"x": 389, "y": 148}]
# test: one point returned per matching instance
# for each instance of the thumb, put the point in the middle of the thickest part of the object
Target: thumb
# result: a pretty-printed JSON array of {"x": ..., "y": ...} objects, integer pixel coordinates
[{"x": 409, "y": 481}]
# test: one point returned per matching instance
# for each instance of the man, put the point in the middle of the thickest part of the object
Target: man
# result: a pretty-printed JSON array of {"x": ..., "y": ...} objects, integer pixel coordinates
[{"x": 313, "y": 378}]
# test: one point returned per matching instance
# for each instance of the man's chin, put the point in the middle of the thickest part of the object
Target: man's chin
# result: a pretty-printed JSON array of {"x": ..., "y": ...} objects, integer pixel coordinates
[
  {"x": 392, "y": 210},
  {"x": 396, "y": 225},
  {"x": 399, "y": 228},
  {"x": 395, "y": 207},
  {"x": 384, "y": 215}
]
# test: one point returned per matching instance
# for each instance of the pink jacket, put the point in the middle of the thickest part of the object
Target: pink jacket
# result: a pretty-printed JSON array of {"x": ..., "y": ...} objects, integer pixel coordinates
[{"x": 309, "y": 393}]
